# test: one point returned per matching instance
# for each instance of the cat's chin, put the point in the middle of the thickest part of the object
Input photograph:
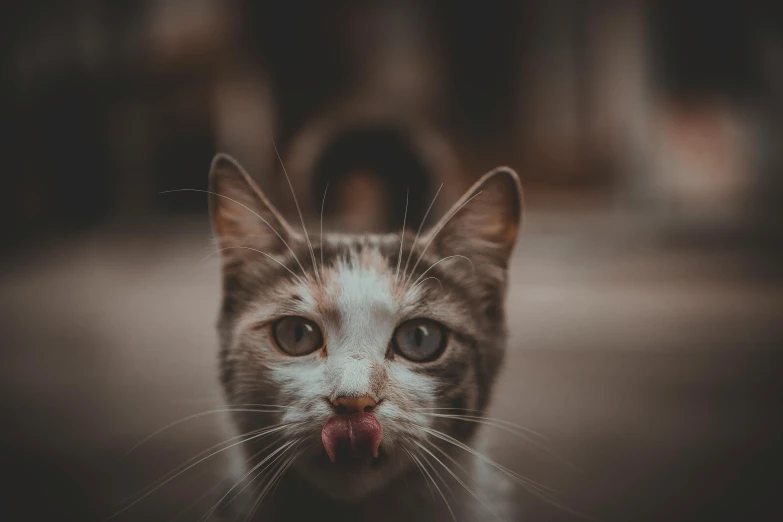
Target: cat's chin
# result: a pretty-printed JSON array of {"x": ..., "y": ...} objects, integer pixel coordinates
[{"x": 351, "y": 480}]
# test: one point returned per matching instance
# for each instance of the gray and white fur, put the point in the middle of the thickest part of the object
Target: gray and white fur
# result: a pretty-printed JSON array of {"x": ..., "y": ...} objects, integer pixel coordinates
[{"x": 357, "y": 289}]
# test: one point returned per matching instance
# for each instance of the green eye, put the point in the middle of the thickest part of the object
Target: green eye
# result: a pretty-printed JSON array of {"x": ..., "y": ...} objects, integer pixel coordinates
[
  {"x": 420, "y": 340},
  {"x": 297, "y": 336}
]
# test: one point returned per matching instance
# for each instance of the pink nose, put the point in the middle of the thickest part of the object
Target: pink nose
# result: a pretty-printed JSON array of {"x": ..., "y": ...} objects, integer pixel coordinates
[
  {"x": 352, "y": 437},
  {"x": 354, "y": 404}
]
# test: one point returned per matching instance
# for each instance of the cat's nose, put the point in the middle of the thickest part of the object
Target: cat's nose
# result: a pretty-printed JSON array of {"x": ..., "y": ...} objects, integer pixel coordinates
[{"x": 349, "y": 405}]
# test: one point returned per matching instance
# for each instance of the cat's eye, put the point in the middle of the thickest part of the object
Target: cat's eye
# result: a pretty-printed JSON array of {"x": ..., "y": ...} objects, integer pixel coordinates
[
  {"x": 420, "y": 340},
  {"x": 297, "y": 335}
]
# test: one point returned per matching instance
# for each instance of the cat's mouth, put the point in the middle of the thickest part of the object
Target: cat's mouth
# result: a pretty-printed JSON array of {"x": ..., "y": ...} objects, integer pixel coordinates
[{"x": 352, "y": 440}]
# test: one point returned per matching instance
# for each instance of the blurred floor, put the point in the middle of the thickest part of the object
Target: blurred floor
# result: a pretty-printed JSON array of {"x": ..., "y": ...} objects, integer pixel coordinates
[{"x": 650, "y": 366}]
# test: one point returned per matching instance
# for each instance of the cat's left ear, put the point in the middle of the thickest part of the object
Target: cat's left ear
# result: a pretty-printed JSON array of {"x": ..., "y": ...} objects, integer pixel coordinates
[{"x": 484, "y": 224}]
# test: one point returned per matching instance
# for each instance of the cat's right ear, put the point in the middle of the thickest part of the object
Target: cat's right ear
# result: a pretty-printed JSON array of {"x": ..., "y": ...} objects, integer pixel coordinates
[{"x": 243, "y": 219}]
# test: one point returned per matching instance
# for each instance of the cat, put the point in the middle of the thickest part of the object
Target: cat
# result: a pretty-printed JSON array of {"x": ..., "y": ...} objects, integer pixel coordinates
[{"x": 354, "y": 365}]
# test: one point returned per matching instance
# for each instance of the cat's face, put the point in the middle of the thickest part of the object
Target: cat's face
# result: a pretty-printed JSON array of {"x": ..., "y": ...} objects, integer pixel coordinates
[{"x": 363, "y": 338}]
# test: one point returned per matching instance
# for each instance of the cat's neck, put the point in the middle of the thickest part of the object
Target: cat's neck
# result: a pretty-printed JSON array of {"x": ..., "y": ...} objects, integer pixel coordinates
[{"x": 408, "y": 497}]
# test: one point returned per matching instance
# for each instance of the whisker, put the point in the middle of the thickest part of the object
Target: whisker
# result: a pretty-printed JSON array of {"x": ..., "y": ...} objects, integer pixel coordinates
[
  {"x": 433, "y": 265},
  {"x": 448, "y": 506},
  {"x": 414, "y": 287},
  {"x": 299, "y": 210},
  {"x": 402, "y": 234},
  {"x": 455, "y": 476},
  {"x": 418, "y": 465},
  {"x": 187, "y": 418},
  {"x": 199, "y": 499},
  {"x": 277, "y": 475},
  {"x": 282, "y": 448},
  {"x": 508, "y": 427},
  {"x": 299, "y": 279},
  {"x": 272, "y": 469},
  {"x": 321, "y": 239},
  {"x": 437, "y": 231},
  {"x": 535, "y": 488},
  {"x": 418, "y": 231},
  {"x": 260, "y": 405},
  {"x": 148, "y": 493},
  {"x": 531, "y": 486},
  {"x": 304, "y": 273},
  {"x": 213, "y": 488},
  {"x": 483, "y": 416},
  {"x": 166, "y": 475},
  {"x": 288, "y": 464},
  {"x": 544, "y": 490},
  {"x": 437, "y": 474}
]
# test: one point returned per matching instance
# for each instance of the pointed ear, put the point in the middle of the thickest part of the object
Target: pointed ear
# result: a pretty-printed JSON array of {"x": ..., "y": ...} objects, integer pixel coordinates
[
  {"x": 483, "y": 225},
  {"x": 242, "y": 217}
]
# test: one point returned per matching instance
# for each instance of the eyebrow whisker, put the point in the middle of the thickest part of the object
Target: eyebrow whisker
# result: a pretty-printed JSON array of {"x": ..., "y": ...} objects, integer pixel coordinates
[{"x": 402, "y": 236}]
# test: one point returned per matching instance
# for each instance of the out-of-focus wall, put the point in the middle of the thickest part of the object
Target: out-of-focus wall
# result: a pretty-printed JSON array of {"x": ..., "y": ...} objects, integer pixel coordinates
[{"x": 670, "y": 108}]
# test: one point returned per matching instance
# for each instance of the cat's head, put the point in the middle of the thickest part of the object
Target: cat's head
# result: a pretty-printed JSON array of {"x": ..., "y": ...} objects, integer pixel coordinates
[{"x": 362, "y": 341}]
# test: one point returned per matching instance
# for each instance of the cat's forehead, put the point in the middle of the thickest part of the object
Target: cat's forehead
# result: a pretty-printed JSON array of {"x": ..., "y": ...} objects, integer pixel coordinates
[
  {"x": 356, "y": 276},
  {"x": 364, "y": 281},
  {"x": 338, "y": 244}
]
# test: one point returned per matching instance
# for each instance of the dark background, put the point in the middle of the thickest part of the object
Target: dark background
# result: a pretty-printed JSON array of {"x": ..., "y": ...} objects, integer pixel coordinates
[{"x": 645, "y": 306}]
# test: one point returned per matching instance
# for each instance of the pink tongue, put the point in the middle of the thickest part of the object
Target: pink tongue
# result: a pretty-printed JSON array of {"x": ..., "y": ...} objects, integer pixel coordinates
[{"x": 352, "y": 437}]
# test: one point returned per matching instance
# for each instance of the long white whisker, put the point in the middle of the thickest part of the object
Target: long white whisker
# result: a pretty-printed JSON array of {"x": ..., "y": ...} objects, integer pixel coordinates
[
  {"x": 426, "y": 411},
  {"x": 286, "y": 466},
  {"x": 304, "y": 273},
  {"x": 437, "y": 231},
  {"x": 456, "y": 477},
  {"x": 199, "y": 499},
  {"x": 438, "y": 475},
  {"x": 402, "y": 234},
  {"x": 543, "y": 490},
  {"x": 418, "y": 231},
  {"x": 160, "y": 479},
  {"x": 433, "y": 265},
  {"x": 413, "y": 287},
  {"x": 282, "y": 447},
  {"x": 508, "y": 427},
  {"x": 216, "y": 505},
  {"x": 418, "y": 465},
  {"x": 191, "y": 417},
  {"x": 299, "y": 279},
  {"x": 213, "y": 488},
  {"x": 535, "y": 488},
  {"x": 260, "y": 405},
  {"x": 299, "y": 210},
  {"x": 436, "y": 486},
  {"x": 270, "y": 473},
  {"x": 267, "y": 432},
  {"x": 321, "y": 239},
  {"x": 276, "y": 475},
  {"x": 452, "y": 459}
]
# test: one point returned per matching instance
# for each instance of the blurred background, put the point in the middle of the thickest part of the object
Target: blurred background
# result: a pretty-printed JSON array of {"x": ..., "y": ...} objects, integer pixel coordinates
[{"x": 645, "y": 303}]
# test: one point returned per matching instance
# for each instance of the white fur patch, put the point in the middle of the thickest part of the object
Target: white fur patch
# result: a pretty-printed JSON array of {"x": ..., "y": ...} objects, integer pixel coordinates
[{"x": 368, "y": 317}]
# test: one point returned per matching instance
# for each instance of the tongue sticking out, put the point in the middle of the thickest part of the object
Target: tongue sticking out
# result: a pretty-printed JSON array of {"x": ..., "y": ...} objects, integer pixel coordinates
[{"x": 352, "y": 437}]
